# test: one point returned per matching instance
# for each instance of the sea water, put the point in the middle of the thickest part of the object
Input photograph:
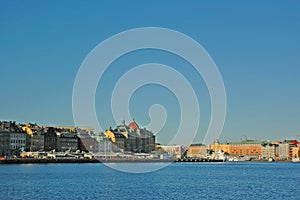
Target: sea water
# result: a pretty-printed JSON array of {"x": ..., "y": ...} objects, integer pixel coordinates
[{"x": 245, "y": 180}]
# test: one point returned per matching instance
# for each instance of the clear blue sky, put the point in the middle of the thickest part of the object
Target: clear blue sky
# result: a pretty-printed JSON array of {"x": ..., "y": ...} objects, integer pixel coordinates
[{"x": 255, "y": 44}]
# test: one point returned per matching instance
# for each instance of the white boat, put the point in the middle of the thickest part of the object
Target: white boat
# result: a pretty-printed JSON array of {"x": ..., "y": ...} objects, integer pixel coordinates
[
  {"x": 239, "y": 159},
  {"x": 271, "y": 160},
  {"x": 217, "y": 156},
  {"x": 296, "y": 159},
  {"x": 230, "y": 159}
]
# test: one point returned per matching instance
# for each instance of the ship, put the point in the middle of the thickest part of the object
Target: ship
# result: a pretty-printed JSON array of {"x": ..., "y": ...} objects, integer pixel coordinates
[
  {"x": 217, "y": 156},
  {"x": 239, "y": 159}
]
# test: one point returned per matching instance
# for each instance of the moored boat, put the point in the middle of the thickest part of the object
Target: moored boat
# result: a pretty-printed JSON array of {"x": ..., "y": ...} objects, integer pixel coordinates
[
  {"x": 239, "y": 159},
  {"x": 271, "y": 160}
]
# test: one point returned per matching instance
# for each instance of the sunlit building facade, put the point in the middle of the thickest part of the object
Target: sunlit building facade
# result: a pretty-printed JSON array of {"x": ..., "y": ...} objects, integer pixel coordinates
[
  {"x": 196, "y": 150},
  {"x": 269, "y": 150},
  {"x": 250, "y": 148},
  {"x": 217, "y": 146},
  {"x": 176, "y": 151},
  {"x": 131, "y": 138}
]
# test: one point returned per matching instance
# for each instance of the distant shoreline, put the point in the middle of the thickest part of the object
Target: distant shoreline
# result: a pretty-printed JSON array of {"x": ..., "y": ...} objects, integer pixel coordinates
[{"x": 53, "y": 161}]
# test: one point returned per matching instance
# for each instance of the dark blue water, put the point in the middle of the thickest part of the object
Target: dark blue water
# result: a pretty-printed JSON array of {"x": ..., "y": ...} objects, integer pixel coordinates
[{"x": 177, "y": 181}]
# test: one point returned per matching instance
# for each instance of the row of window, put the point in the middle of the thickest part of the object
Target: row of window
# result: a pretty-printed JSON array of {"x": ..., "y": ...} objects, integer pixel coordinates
[
  {"x": 18, "y": 136},
  {"x": 18, "y": 141},
  {"x": 244, "y": 151},
  {"x": 16, "y": 146},
  {"x": 246, "y": 145}
]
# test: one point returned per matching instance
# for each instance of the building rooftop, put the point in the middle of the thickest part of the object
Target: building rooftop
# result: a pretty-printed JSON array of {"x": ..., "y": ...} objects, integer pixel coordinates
[
  {"x": 133, "y": 125},
  {"x": 247, "y": 142},
  {"x": 197, "y": 145}
]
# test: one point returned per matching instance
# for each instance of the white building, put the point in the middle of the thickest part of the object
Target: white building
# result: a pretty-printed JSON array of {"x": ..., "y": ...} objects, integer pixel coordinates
[
  {"x": 17, "y": 142},
  {"x": 284, "y": 150},
  {"x": 176, "y": 151},
  {"x": 269, "y": 150},
  {"x": 104, "y": 145}
]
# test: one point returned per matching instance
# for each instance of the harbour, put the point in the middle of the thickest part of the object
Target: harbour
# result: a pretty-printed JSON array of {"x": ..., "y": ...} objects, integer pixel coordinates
[{"x": 188, "y": 180}]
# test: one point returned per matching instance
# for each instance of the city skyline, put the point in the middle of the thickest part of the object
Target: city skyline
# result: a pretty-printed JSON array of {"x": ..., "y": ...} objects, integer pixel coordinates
[
  {"x": 255, "y": 46},
  {"x": 73, "y": 128}
]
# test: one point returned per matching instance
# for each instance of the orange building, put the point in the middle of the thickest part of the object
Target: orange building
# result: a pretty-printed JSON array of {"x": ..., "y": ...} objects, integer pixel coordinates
[{"x": 251, "y": 148}]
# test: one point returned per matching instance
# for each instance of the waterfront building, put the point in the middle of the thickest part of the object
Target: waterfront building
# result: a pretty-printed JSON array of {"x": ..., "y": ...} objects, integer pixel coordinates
[
  {"x": 250, "y": 148},
  {"x": 217, "y": 146},
  {"x": 17, "y": 138},
  {"x": 74, "y": 129},
  {"x": 67, "y": 142},
  {"x": 118, "y": 140},
  {"x": 17, "y": 142},
  {"x": 284, "y": 150},
  {"x": 131, "y": 143},
  {"x": 86, "y": 142},
  {"x": 8, "y": 126},
  {"x": 70, "y": 129},
  {"x": 296, "y": 151},
  {"x": 4, "y": 143},
  {"x": 292, "y": 143},
  {"x": 269, "y": 150},
  {"x": 139, "y": 140},
  {"x": 50, "y": 140},
  {"x": 26, "y": 128},
  {"x": 175, "y": 151},
  {"x": 131, "y": 138},
  {"x": 35, "y": 137},
  {"x": 35, "y": 141},
  {"x": 103, "y": 144},
  {"x": 196, "y": 151}
]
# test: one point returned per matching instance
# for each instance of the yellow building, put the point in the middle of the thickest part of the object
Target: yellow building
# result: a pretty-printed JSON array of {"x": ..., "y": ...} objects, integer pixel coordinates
[
  {"x": 217, "y": 146},
  {"x": 27, "y": 129},
  {"x": 196, "y": 150},
  {"x": 118, "y": 140}
]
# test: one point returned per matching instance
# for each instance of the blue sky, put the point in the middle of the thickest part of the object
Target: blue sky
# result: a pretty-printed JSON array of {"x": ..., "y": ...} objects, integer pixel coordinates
[{"x": 255, "y": 44}]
